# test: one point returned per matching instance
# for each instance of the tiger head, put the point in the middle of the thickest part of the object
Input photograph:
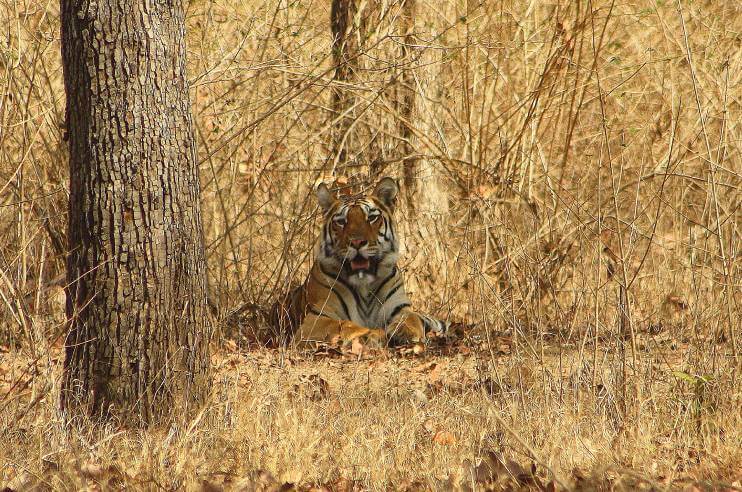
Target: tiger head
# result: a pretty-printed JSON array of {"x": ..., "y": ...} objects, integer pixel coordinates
[{"x": 358, "y": 240}]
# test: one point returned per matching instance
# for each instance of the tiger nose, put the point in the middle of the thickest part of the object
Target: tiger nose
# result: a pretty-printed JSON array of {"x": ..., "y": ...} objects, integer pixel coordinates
[{"x": 358, "y": 243}]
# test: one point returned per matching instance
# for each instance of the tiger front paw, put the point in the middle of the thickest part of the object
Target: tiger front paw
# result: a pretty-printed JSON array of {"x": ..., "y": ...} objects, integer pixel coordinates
[
  {"x": 408, "y": 331},
  {"x": 369, "y": 337}
]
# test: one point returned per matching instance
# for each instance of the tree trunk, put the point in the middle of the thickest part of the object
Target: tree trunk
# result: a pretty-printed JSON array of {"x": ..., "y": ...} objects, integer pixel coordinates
[
  {"x": 421, "y": 182},
  {"x": 406, "y": 91},
  {"x": 425, "y": 197},
  {"x": 345, "y": 24},
  {"x": 136, "y": 299}
]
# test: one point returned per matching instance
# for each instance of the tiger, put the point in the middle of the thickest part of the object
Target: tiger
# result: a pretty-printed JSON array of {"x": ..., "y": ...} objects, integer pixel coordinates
[{"x": 355, "y": 290}]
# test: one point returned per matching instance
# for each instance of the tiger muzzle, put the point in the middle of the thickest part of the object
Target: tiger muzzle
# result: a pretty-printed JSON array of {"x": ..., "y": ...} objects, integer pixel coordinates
[{"x": 359, "y": 263}]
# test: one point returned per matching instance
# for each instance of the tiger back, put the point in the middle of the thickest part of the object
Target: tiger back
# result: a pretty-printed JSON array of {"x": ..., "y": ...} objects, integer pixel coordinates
[{"x": 354, "y": 290}]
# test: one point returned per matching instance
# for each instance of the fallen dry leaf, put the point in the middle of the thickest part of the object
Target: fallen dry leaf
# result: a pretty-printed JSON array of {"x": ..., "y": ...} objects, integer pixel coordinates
[
  {"x": 436, "y": 374},
  {"x": 91, "y": 470},
  {"x": 411, "y": 486},
  {"x": 414, "y": 349},
  {"x": 677, "y": 302},
  {"x": 334, "y": 407},
  {"x": 444, "y": 438},
  {"x": 207, "y": 486},
  {"x": 312, "y": 386},
  {"x": 420, "y": 397},
  {"x": 327, "y": 350},
  {"x": 357, "y": 348}
]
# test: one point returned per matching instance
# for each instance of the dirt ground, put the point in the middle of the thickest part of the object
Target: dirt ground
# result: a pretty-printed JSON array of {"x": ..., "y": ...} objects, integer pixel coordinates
[{"x": 486, "y": 413}]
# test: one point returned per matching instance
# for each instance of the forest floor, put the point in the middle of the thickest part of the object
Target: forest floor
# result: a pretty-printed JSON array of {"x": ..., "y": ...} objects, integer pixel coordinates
[{"x": 492, "y": 414}]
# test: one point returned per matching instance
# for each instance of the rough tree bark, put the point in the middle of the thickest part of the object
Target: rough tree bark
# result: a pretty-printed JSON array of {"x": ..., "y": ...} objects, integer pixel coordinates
[{"x": 136, "y": 300}]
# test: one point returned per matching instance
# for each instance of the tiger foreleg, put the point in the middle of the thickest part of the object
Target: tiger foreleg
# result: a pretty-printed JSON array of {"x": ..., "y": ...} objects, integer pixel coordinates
[
  {"x": 406, "y": 327},
  {"x": 323, "y": 329}
]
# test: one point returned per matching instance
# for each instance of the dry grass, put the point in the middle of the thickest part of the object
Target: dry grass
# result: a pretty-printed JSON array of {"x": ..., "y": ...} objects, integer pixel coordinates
[
  {"x": 398, "y": 422},
  {"x": 580, "y": 174}
]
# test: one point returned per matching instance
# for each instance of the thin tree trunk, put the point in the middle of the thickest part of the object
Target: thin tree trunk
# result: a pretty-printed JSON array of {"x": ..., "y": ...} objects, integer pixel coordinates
[
  {"x": 346, "y": 33},
  {"x": 136, "y": 300},
  {"x": 421, "y": 73},
  {"x": 406, "y": 99},
  {"x": 426, "y": 201}
]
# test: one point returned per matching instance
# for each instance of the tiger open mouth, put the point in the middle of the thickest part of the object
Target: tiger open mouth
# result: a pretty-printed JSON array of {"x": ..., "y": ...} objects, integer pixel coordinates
[{"x": 359, "y": 263}]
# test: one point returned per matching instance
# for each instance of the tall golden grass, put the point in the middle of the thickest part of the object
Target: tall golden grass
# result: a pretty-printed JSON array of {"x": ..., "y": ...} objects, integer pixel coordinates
[{"x": 578, "y": 196}]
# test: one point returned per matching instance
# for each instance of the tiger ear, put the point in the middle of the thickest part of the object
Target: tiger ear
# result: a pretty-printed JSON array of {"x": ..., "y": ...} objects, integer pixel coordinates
[
  {"x": 325, "y": 197},
  {"x": 386, "y": 190}
]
